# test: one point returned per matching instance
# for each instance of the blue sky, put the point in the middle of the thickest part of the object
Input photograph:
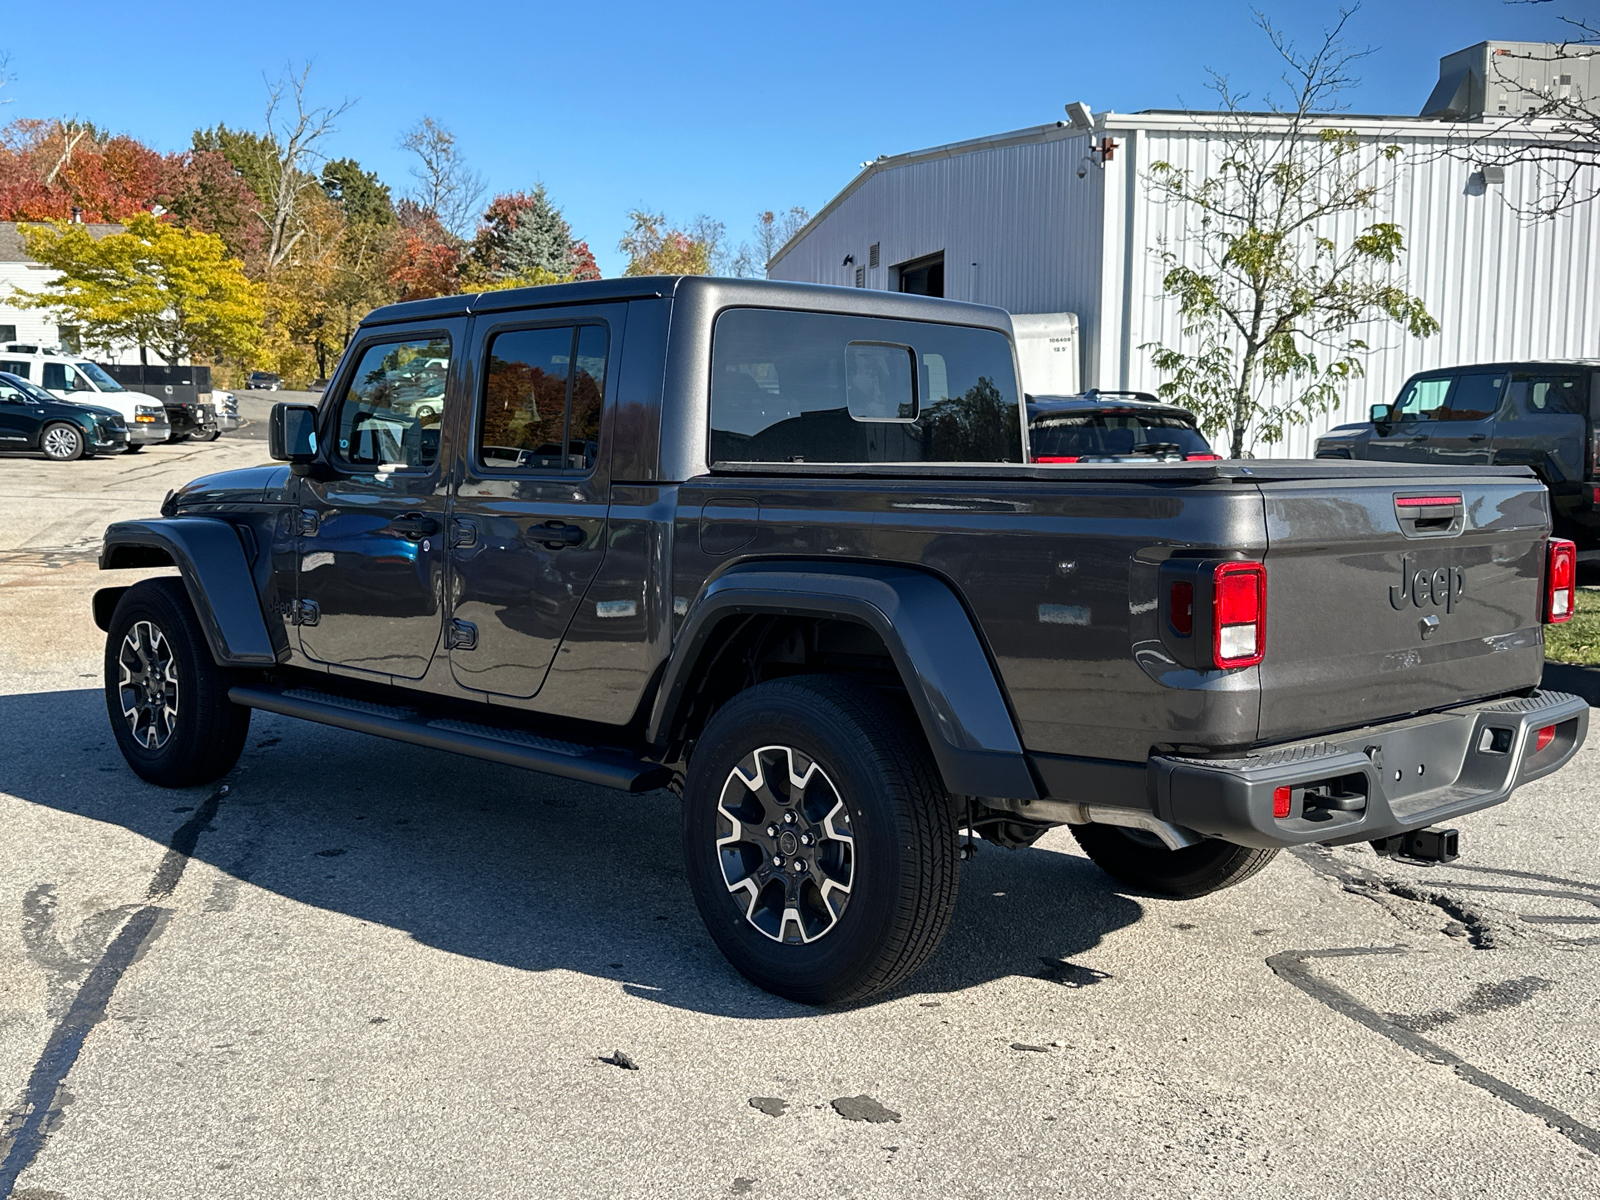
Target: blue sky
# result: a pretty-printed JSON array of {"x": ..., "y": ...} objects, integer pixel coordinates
[{"x": 717, "y": 108}]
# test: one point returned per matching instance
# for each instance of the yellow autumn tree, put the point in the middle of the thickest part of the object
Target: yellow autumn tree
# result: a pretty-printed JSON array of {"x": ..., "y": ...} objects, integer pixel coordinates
[{"x": 172, "y": 290}]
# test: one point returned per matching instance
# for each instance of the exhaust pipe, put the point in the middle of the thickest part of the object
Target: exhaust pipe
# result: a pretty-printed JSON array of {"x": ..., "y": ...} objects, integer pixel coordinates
[{"x": 1422, "y": 845}]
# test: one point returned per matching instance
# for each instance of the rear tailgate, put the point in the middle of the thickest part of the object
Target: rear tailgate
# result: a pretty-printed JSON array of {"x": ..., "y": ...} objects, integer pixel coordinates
[{"x": 1377, "y": 608}]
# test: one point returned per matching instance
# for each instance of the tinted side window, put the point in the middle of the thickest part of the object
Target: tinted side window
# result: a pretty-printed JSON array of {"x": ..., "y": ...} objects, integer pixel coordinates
[
  {"x": 20, "y": 369},
  {"x": 389, "y": 413},
  {"x": 1422, "y": 400},
  {"x": 818, "y": 387},
  {"x": 543, "y": 392},
  {"x": 1476, "y": 396},
  {"x": 55, "y": 376},
  {"x": 1540, "y": 392}
]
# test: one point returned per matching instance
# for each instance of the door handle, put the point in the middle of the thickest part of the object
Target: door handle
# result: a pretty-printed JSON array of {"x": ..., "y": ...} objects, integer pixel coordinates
[
  {"x": 414, "y": 526},
  {"x": 1477, "y": 437},
  {"x": 556, "y": 535}
]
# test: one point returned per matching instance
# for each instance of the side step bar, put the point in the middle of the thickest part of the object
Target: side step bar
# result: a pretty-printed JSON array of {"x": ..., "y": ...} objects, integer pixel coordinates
[{"x": 514, "y": 747}]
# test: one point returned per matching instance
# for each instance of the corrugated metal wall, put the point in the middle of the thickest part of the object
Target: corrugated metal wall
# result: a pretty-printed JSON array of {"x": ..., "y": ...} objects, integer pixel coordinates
[
  {"x": 1018, "y": 211},
  {"x": 1046, "y": 241},
  {"x": 1500, "y": 287}
]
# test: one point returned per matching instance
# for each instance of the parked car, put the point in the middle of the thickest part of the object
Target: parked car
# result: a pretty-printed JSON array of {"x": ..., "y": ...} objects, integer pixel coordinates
[
  {"x": 1105, "y": 426},
  {"x": 811, "y": 583},
  {"x": 1539, "y": 415},
  {"x": 193, "y": 419},
  {"x": 81, "y": 381},
  {"x": 262, "y": 381},
  {"x": 32, "y": 419}
]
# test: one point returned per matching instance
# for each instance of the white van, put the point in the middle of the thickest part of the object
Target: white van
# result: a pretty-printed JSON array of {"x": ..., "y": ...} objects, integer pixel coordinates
[{"x": 72, "y": 378}]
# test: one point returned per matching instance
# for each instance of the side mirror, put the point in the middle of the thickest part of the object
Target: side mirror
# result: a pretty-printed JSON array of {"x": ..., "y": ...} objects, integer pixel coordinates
[
  {"x": 292, "y": 433},
  {"x": 1382, "y": 417}
]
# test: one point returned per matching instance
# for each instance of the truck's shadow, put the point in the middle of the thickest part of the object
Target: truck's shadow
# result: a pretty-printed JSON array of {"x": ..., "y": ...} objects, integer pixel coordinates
[{"x": 499, "y": 864}]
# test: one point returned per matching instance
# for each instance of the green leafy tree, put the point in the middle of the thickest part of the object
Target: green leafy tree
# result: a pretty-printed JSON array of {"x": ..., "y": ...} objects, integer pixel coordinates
[
  {"x": 173, "y": 290},
  {"x": 363, "y": 198},
  {"x": 1275, "y": 275}
]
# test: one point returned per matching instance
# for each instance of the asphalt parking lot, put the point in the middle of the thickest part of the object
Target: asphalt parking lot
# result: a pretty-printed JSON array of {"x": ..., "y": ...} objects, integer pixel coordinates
[{"x": 359, "y": 968}]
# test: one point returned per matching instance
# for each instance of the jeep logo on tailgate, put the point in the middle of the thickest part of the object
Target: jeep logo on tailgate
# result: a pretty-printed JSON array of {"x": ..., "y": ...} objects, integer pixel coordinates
[{"x": 1441, "y": 586}]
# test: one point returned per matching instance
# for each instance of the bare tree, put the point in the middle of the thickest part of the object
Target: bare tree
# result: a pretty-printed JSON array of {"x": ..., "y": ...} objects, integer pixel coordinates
[
  {"x": 297, "y": 128},
  {"x": 72, "y": 132},
  {"x": 5, "y": 73},
  {"x": 447, "y": 189},
  {"x": 1565, "y": 147},
  {"x": 772, "y": 233}
]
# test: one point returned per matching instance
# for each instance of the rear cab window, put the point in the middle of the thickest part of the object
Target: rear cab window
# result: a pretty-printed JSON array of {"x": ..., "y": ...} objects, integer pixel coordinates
[{"x": 801, "y": 387}]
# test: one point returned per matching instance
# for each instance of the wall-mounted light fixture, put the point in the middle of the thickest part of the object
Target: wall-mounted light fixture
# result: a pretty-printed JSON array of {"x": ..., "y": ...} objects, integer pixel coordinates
[{"x": 1079, "y": 116}]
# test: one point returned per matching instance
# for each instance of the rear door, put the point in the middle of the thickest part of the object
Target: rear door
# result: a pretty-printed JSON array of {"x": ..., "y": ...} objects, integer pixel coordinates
[
  {"x": 1543, "y": 427},
  {"x": 371, "y": 536},
  {"x": 21, "y": 417},
  {"x": 1414, "y": 418},
  {"x": 528, "y": 522},
  {"x": 1464, "y": 434}
]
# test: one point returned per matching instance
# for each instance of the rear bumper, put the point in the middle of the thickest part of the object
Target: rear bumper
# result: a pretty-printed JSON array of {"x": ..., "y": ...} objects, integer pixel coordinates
[
  {"x": 148, "y": 434},
  {"x": 1381, "y": 780}
]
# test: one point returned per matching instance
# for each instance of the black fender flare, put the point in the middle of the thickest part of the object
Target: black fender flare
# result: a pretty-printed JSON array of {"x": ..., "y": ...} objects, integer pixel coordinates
[
  {"x": 216, "y": 574},
  {"x": 929, "y": 635}
]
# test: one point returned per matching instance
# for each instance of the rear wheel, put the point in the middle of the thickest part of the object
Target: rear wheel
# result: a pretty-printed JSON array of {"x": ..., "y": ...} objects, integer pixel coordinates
[
  {"x": 820, "y": 843},
  {"x": 1141, "y": 860},
  {"x": 62, "y": 442},
  {"x": 166, "y": 696}
]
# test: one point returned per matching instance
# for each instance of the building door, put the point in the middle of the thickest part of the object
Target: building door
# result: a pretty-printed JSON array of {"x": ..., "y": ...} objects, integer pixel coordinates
[
  {"x": 1412, "y": 422},
  {"x": 528, "y": 524},
  {"x": 923, "y": 276},
  {"x": 371, "y": 539}
]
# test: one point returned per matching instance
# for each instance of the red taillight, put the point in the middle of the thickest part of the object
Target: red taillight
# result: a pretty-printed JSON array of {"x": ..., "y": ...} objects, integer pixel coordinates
[
  {"x": 1180, "y": 610},
  {"x": 1561, "y": 582},
  {"x": 1239, "y": 614},
  {"x": 1055, "y": 458},
  {"x": 1280, "y": 802},
  {"x": 1544, "y": 738},
  {"x": 1425, "y": 501},
  {"x": 1203, "y": 457}
]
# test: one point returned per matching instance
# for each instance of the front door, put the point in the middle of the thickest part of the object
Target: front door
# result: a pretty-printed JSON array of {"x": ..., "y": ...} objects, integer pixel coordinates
[
  {"x": 1465, "y": 434},
  {"x": 20, "y": 417},
  {"x": 1413, "y": 420},
  {"x": 372, "y": 518},
  {"x": 528, "y": 524}
]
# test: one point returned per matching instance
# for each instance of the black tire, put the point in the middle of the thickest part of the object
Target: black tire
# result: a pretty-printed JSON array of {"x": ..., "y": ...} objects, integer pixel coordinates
[
  {"x": 188, "y": 732},
  {"x": 897, "y": 856},
  {"x": 133, "y": 447},
  {"x": 1140, "y": 860},
  {"x": 62, "y": 441}
]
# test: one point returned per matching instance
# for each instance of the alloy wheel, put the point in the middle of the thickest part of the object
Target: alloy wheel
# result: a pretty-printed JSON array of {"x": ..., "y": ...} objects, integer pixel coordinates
[
  {"x": 785, "y": 845},
  {"x": 60, "y": 442},
  {"x": 148, "y": 684}
]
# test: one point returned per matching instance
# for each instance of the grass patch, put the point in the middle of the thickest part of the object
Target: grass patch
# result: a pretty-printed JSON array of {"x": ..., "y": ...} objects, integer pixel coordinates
[{"x": 1577, "y": 641}]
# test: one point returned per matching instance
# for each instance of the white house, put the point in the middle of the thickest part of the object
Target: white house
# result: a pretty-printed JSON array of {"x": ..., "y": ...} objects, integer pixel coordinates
[
  {"x": 39, "y": 326},
  {"x": 1062, "y": 218}
]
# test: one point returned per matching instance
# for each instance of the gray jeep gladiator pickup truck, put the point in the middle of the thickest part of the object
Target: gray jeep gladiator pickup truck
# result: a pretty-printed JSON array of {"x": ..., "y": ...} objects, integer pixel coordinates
[{"x": 781, "y": 549}]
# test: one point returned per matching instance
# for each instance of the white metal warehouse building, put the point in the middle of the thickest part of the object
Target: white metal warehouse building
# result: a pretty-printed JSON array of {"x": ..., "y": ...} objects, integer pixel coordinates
[{"x": 1030, "y": 222}]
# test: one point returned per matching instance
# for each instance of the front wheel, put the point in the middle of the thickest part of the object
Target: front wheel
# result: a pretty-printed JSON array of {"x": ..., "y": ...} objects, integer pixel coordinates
[
  {"x": 166, "y": 696},
  {"x": 1141, "y": 860},
  {"x": 62, "y": 442},
  {"x": 820, "y": 843}
]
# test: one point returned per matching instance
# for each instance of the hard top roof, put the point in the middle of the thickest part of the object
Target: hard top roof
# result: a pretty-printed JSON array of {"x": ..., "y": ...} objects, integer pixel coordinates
[{"x": 719, "y": 291}]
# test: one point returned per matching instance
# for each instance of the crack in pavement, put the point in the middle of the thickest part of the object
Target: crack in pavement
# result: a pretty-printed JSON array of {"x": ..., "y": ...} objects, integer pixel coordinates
[
  {"x": 26, "y": 1128},
  {"x": 1292, "y": 967}
]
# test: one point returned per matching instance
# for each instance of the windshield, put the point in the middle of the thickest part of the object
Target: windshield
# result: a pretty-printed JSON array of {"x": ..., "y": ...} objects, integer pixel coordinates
[
  {"x": 1072, "y": 435},
  {"x": 100, "y": 379},
  {"x": 32, "y": 391}
]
